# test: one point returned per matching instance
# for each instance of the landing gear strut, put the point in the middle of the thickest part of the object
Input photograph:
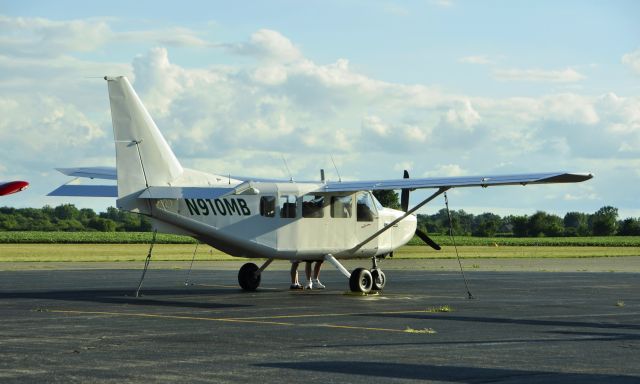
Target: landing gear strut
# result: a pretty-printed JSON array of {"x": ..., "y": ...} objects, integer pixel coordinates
[{"x": 379, "y": 279}]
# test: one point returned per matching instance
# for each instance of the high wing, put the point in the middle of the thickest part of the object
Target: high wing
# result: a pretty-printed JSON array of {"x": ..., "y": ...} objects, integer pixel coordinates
[
  {"x": 109, "y": 173},
  {"x": 456, "y": 182}
]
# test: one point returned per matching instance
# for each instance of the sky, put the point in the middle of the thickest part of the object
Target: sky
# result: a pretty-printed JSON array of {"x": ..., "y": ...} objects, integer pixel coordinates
[{"x": 441, "y": 88}]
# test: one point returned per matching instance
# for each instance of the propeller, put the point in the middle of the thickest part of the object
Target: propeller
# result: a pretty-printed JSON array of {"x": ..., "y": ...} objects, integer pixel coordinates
[
  {"x": 404, "y": 196},
  {"x": 404, "y": 202},
  {"x": 424, "y": 237}
]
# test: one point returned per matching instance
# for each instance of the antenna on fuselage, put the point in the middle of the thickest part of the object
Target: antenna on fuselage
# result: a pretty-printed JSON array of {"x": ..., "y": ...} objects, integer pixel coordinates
[
  {"x": 334, "y": 166},
  {"x": 287, "y": 167}
]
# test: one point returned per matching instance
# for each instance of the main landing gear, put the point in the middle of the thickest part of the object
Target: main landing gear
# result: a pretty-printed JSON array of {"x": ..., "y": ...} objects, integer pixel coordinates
[
  {"x": 249, "y": 275},
  {"x": 360, "y": 280},
  {"x": 365, "y": 281}
]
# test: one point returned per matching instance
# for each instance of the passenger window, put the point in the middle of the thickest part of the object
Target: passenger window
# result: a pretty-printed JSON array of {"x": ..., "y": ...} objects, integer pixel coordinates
[
  {"x": 341, "y": 206},
  {"x": 288, "y": 206},
  {"x": 312, "y": 206},
  {"x": 268, "y": 206},
  {"x": 365, "y": 208}
]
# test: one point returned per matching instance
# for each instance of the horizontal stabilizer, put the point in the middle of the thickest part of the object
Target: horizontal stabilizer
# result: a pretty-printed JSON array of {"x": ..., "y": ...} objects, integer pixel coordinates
[
  {"x": 107, "y": 173},
  {"x": 184, "y": 193},
  {"x": 86, "y": 190}
]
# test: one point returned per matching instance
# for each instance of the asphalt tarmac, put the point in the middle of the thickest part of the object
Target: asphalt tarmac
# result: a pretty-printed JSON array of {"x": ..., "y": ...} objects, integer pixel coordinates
[{"x": 521, "y": 327}]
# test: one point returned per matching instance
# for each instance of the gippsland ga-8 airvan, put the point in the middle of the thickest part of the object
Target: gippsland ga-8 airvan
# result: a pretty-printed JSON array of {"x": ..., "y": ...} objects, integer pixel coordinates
[{"x": 264, "y": 218}]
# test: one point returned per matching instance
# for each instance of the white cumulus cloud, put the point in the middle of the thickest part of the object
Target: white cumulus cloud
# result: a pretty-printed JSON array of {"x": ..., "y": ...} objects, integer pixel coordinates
[
  {"x": 632, "y": 60},
  {"x": 270, "y": 45},
  {"x": 567, "y": 75},
  {"x": 478, "y": 59}
]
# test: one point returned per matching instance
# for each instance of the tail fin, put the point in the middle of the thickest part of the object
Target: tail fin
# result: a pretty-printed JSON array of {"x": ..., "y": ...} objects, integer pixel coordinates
[{"x": 143, "y": 157}]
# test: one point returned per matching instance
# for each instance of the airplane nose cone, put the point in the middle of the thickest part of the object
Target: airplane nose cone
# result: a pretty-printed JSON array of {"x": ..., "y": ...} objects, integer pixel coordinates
[{"x": 406, "y": 228}]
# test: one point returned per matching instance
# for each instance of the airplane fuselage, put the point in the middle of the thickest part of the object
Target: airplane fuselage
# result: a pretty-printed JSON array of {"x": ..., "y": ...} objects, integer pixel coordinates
[{"x": 286, "y": 221}]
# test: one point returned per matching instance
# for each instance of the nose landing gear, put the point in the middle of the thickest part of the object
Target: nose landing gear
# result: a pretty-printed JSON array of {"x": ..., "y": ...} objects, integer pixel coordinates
[{"x": 364, "y": 281}]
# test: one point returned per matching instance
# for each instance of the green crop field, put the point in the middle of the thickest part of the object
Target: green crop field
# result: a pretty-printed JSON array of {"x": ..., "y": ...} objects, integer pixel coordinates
[
  {"x": 133, "y": 246},
  {"x": 145, "y": 238}
]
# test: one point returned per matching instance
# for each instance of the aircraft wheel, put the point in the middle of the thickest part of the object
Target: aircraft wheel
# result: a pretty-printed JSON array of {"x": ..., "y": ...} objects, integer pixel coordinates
[
  {"x": 248, "y": 279},
  {"x": 360, "y": 280},
  {"x": 379, "y": 279}
]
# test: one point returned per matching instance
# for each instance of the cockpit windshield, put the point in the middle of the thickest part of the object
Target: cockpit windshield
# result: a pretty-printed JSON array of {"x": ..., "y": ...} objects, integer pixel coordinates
[
  {"x": 376, "y": 202},
  {"x": 366, "y": 208}
]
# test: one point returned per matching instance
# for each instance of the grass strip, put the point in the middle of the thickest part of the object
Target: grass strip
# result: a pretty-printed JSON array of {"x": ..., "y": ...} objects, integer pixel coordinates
[{"x": 184, "y": 252}]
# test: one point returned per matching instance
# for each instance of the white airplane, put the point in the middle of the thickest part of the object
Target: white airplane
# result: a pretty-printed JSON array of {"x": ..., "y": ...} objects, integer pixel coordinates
[{"x": 264, "y": 218}]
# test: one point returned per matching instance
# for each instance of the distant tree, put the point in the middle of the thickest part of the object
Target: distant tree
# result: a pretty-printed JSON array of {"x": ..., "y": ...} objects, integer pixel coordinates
[
  {"x": 8, "y": 221},
  {"x": 112, "y": 213},
  {"x": 605, "y": 221},
  {"x": 629, "y": 227},
  {"x": 388, "y": 199},
  {"x": 555, "y": 226},
  {"x": 464, "y": 222},
  {"x": 537, "y": 224},
  {"x": 576, "y": 224},
  {"x": 486, "y": 224},
  {"x": 86, "y": 214},
  {"x": 66, "y": 212},
  {"x": 69, "y": 225},
  {"x": 102, "y": 225},
  {"x": 520, "y": 225},
  {"x": 429, "y": 224},
  {"x": 544, "y": 224}
]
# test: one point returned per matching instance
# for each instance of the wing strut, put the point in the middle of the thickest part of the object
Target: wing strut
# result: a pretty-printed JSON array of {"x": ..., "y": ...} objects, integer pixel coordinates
[{"x": 394, "y": 222}]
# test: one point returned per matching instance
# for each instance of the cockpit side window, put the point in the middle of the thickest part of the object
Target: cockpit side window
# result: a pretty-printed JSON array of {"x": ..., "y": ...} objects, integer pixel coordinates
[
  {"x": 288, "y": 206},
  {"x": 268, "y": 206},
  {"x": 365, "y": 207},
  {"x": 312, "y": 206},
  {"x": 341, "y": 206}
]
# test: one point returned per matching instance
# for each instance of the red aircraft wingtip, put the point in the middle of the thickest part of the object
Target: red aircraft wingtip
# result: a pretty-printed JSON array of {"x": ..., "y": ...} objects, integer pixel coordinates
[{"x": 13, "y": 187}]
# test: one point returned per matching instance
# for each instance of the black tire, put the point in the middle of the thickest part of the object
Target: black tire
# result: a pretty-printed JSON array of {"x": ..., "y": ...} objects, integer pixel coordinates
[
  {"x": 248, "y": 278},
  {"x": 360, "y": 280},
  {"x": 379, "y": 279}
]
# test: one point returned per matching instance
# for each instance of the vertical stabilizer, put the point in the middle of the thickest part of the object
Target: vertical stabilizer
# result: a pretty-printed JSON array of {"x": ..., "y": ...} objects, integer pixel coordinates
[{"x": 143, "y": 157}]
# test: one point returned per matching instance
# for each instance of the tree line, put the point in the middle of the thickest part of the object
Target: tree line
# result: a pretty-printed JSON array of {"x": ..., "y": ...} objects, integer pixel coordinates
[
  {"x": 603, "y": 222},
  {"x": 67, "y": 217}
]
